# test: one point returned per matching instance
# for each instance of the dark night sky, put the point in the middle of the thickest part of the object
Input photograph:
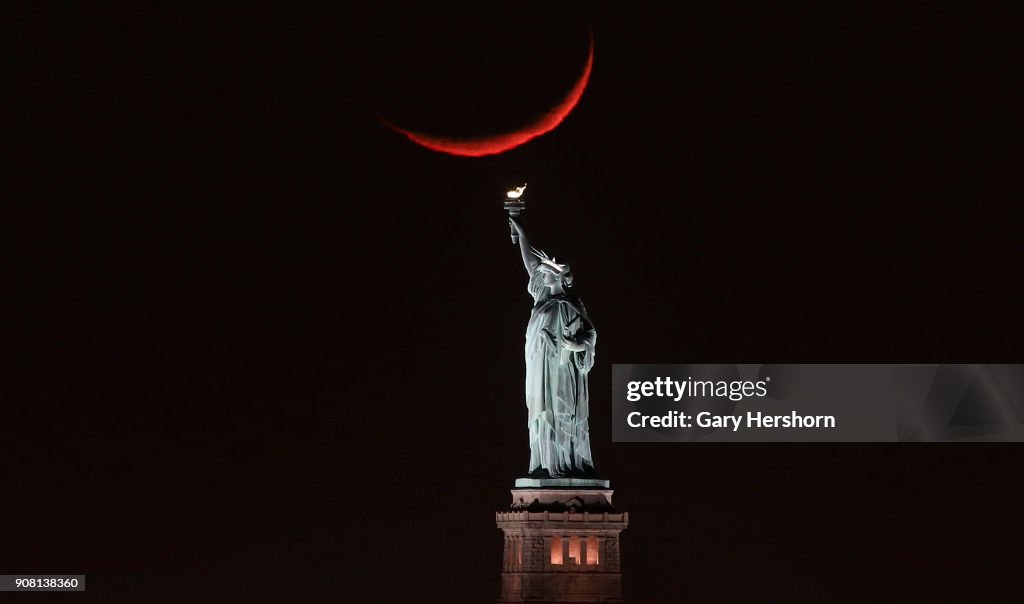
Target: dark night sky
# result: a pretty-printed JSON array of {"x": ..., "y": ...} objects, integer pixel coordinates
[{"x": 265, "y": 349}]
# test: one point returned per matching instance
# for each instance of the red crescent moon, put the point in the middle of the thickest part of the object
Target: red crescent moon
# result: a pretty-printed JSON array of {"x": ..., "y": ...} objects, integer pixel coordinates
[{"x": 491, "y": 145}]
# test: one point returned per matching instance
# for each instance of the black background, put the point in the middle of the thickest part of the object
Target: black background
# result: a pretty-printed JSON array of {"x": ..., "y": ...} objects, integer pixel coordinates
[{"x": 265, "y": 349}]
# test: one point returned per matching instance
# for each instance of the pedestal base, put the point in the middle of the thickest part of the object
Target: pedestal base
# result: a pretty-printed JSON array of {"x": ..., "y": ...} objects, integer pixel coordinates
[
  {"x": 577, "y": 588},
  {"x": 561, "y": 483},
  {"x": 562, "y": 494},
  {"x": 561, "y": 544}
]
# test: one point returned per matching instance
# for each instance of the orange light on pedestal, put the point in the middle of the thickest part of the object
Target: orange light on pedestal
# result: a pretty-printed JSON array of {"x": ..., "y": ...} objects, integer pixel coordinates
[
  {"x": 574, "y": 550},
  {"x": 593, "y": 551},
  {"x": 556, "y": 551}
]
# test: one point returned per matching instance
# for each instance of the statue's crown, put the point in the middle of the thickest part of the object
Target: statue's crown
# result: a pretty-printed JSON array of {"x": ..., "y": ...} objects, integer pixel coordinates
[{"x": 552, "y": 262}]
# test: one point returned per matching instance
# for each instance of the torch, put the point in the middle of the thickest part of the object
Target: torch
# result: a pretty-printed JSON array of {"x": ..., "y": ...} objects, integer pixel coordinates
[{"x": 515, "y": 204}]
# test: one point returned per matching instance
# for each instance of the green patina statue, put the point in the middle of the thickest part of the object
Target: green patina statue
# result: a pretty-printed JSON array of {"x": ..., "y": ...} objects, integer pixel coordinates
[{"x": 559, "y": 354}]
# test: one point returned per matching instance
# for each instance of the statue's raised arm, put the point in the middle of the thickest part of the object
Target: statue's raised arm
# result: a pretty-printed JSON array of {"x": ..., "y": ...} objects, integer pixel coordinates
[{"x": 530, "y": 261}]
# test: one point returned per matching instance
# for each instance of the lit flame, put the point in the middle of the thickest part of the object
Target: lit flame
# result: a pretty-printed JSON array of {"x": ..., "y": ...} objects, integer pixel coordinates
[{"x": 517, "y": 192}]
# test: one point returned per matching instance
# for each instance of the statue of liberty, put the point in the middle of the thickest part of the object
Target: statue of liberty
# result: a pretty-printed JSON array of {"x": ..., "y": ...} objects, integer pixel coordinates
[{"x": 559, "y": 354}]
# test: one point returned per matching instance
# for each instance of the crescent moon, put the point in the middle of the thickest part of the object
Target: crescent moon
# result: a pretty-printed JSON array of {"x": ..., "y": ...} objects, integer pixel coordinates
[{"x": 492, "y": 145}]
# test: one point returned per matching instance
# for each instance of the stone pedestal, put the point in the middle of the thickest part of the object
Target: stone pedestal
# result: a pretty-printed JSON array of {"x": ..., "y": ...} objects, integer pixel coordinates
[{"x": 561, "y": 542}]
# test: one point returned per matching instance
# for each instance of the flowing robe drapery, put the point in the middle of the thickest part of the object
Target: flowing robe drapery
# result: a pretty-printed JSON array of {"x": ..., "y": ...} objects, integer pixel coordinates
[{"x": 557, "y": 396}]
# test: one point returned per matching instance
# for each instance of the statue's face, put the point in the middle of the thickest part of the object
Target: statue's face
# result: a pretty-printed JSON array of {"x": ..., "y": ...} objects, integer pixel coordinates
[{"x": 551, "y": 277}]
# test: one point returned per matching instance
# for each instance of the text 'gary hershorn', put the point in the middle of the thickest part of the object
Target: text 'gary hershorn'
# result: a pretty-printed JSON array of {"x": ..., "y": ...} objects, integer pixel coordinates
[{"x": 706, "y": 419}]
